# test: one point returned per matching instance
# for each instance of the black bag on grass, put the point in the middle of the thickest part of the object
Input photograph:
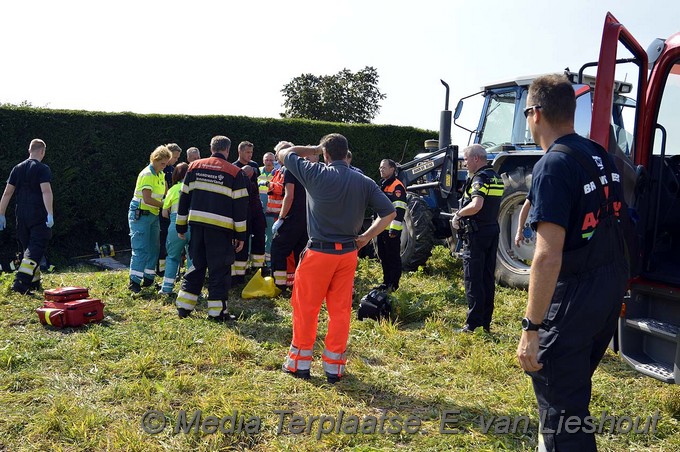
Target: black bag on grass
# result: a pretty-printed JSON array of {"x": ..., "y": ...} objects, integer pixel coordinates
[{"x": 374, "y": 305}]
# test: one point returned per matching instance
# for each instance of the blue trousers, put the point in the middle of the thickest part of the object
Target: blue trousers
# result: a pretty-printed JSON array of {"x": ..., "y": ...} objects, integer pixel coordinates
[
  {"x": 145, "y": 244},
  {"x": 174, "y": 247}
]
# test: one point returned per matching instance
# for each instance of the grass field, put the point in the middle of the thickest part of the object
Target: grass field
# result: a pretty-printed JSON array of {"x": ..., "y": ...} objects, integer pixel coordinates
[{"x": 91, "y": 388}]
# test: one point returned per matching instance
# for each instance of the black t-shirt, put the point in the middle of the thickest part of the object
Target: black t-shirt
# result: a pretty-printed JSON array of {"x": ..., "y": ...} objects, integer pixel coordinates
[
  {"x": 563, "y": 194},
  {"x": 26, "y": 178},
  {"x": 299, "y": 207}
]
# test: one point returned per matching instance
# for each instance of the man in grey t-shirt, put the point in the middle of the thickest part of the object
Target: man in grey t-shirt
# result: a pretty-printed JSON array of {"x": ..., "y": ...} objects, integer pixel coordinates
[{"x": 336, "y": 200}]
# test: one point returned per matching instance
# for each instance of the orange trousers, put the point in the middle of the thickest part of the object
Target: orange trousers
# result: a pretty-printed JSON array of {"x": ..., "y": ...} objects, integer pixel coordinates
[{"x": 322, "y": 276}]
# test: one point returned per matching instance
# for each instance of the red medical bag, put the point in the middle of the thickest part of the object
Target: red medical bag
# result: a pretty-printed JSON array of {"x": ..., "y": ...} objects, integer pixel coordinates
[
  {"x": 63, "y": 294},
  {"x": 70, "y": 306}
]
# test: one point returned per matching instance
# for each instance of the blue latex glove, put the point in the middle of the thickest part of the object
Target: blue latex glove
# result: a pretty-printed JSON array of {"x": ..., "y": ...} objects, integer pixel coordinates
[
  {"x": 50, "y": 220},
  {"x": 277, "y": 224},
  {"x": 3, "y": 222}
]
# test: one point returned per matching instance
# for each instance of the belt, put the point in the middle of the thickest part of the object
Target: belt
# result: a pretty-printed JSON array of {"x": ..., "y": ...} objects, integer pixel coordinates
[
  {"x": 331, "y": 245},
  {"x": 144, "y": 212}
]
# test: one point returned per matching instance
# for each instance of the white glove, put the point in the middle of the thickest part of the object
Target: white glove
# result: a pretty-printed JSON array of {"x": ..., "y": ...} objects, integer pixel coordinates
[
  {"x": 3, "y": 222},
  {"x": 277, "y": 224},
  {"x": 455, "y": 222}
]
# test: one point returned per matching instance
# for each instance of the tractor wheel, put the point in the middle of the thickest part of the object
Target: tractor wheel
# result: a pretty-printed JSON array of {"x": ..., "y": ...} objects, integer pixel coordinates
[
  {"x": 513, "y": 262},
  {"x": 417, "y": 239}
]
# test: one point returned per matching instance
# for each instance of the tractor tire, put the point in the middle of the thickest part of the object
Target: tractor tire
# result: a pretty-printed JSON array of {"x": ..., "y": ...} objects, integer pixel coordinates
[
  {"x": 512, "y": 262},
  {"x": 417, "y": 238}
]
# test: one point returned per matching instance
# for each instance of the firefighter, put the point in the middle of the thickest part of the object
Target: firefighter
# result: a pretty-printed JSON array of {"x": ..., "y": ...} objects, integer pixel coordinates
[
  {"x": 214, "y": 202},
  {"x": 389, "y": 240},
  {"x": 267, "y": 171},
  {"x": 290, "y": 229},
  {"x": 174, "y": 244},
  {"x": 579, "y": 271},
  {"x": 145, "y": 206},
  {"x": 254, "y": 248},
  {"x": 337, "y": 198},
  {"x": 477, "y": 220},
  {"x": 31, "y": 180}
]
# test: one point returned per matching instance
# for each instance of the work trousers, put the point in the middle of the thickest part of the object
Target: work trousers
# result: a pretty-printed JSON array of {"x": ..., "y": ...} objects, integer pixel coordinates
[
  {"x": 479, "y": 266},
  {"x": 33, "y": 236},
  {"x": 145, "y": 244},
  {"x": 254, "y": 244},
  {"x": 322, "y": 276},
  {"x": 389, "y": 253},
  {"x": 269, "y": 218},
  {"x": 210, "y": 249},
  {"x": 175, "y": 247},
  {"x": 291, "y": 237},
  {"x": 578, "y": 327}
]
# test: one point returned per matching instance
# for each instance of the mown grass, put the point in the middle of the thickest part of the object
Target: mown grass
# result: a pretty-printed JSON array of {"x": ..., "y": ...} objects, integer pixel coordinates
[{"x": 88, "y": 388}]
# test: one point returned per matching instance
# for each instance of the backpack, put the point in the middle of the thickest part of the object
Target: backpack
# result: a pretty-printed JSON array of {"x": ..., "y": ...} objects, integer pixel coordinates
[{"x": 375, "y": 305}]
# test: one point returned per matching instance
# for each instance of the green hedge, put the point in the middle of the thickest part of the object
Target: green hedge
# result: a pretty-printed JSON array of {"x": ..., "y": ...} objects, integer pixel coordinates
[{"x": 95, "y": 158}]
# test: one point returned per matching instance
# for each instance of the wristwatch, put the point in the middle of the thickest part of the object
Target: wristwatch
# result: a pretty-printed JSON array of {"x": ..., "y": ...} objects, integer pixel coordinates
[{"x": 528, "y": 325}]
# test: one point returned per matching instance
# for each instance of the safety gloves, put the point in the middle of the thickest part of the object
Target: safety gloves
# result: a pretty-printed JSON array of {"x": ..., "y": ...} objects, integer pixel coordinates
[
  {"x": 3, "y": 222},
  {"x": 50, "y": 220},
  {"x": 277, "y": 224}
]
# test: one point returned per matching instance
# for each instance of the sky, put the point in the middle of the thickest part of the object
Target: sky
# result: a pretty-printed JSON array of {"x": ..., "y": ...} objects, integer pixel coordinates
[{"x": 234, "y": 57}]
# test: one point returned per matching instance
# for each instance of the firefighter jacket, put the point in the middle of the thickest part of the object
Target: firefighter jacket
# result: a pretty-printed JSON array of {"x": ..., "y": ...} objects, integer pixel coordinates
[
  {"x": 489, "y": 185},
  {"x": 276, "y": 192},
  {"x": 214, "y": 194},
  {"x": 396, "y": 193}
]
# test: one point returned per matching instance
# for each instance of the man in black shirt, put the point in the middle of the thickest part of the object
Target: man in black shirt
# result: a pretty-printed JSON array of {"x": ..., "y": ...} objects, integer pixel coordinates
[
  {"x": 30, "y": 180},
  {"x": 578, "y": 273}
]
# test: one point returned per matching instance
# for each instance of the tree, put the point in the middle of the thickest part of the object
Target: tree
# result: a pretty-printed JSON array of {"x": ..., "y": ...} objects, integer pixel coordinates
[{"x": 343, "y": 97}]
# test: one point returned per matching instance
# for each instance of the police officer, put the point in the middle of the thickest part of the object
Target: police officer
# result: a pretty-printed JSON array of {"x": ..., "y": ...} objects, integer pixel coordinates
[
  {"x": 578, "y": 273},
  {"x": 214, "y": 201},
  {"x": 254, "y": 248},
  {"x": 478, "y": 221},
  {"x": 34, "y": 215},
  {"x": 389, "y": 240}
]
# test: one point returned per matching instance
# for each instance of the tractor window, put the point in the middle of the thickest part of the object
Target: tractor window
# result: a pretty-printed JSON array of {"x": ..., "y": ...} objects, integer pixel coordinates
[
  {"x": 499, "y": 119},
  {"x": 583, "y": 114},
  {"x": 669, "y": 114}
]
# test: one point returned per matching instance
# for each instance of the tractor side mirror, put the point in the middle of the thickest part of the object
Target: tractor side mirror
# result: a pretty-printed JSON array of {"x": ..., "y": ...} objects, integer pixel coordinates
[{"x": 459, "y": 108}]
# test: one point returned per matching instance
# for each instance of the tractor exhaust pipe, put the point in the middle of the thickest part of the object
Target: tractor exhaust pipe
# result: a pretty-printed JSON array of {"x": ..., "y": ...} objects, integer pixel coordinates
[{"x": 445, "y": 121}]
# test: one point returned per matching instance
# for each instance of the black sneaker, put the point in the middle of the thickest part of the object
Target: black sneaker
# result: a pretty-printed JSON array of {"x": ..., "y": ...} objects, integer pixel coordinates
[
  {"x": 332, "y": 378},
  {"x": 21, "y": 288},
  {"x": 222, "y": 318},
  {"x": 134, "y": 287},
  {"x": 183, "y": 313},
  {"x": 301, "y": 374}
]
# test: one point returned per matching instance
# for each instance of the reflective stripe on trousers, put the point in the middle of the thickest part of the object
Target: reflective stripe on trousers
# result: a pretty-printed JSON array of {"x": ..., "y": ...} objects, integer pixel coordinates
[
  {"x": 298, "y": 359},
  {"x": 334, "y": 363},
  {"x": 186, "y": 300}
]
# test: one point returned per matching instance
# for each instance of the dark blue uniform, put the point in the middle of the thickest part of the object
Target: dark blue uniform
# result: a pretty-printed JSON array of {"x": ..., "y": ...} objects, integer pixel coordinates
[
  {"x": 32, "y": 232},
  {"x": 254, "y": 245},
  {"x": 292, "y": 235},
  {"x": 587, "y": 300},
  {"x": 480, "y": 241}
]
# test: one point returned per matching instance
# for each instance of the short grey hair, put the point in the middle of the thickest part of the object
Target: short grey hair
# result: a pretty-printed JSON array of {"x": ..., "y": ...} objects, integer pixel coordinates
[
  {"x": 475, "y": 150},
  {"x": 220, "y": 143}
]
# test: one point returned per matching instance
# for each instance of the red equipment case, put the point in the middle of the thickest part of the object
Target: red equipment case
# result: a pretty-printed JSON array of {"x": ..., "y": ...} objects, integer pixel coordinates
[
  {"x": 71, "y": 313},
  {"x": 63, "y": 294}
]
